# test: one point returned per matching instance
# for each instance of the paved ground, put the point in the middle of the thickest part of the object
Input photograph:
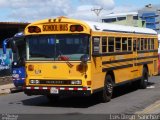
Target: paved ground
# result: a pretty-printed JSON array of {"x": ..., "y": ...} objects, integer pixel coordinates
[
  {"x": 5, "y": 80},
  {"x": 126, "y": 100}
]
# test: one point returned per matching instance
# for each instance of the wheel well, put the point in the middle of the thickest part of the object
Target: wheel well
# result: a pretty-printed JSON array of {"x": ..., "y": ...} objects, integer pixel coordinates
[
  {"x": 145, "y": 66},
  {"x": 111, "y": 73}
]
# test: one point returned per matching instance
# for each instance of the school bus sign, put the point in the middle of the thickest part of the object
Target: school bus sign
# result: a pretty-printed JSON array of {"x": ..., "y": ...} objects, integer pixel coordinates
[{"x": 55, "y": 27}]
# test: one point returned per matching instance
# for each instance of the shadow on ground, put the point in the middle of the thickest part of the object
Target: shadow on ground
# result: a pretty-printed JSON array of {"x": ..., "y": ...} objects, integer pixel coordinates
[{"x": 79, "y": 102}]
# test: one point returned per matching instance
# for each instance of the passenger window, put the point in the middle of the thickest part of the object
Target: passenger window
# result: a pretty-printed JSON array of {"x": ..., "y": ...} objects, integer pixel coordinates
[
  {"x": 104, "y": 44},
  {"x": 110, "y": 44},
  {"x": 129, "y": 44},
  {"x": 124, "y": 44},
  {"x": 138, "y": 44},
  {"x": 134, "y": 45},
  {"x": 118, "y": 44},
  {"x": 145, "y": 44},
  {"x": 149, "y": 44},
  {"x": 142, "y": 44},
  {"x": 152, "y": 43}
]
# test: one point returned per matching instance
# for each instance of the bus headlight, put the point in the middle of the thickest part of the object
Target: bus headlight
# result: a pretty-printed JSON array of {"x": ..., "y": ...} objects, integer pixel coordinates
[
  {"x": 76, "y": 82},
  {"x": 34, "y": 82}
]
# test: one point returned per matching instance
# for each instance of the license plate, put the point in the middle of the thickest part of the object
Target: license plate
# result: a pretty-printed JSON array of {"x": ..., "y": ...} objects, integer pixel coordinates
[{"x": 54, "y": 91}]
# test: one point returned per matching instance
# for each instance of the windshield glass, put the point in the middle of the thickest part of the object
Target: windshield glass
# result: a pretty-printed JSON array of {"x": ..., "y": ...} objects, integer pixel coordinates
[
  {"x": 19, "y": 54},
  {"x": 57, "y": 47}
]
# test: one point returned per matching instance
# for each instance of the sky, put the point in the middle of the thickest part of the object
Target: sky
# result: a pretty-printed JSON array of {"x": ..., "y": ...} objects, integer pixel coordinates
[{"x": 32, "y": 10}]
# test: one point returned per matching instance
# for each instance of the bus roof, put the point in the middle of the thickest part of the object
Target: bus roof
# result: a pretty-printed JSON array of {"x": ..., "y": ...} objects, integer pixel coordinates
[{"x": 96, "y": 26}]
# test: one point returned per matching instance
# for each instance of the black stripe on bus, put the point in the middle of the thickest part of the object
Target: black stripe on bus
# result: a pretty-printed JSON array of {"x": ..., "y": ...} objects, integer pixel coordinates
[
  {"x": 117, "y": 67},
  {"x": 139, "y": 58},
  {"x": 116, "y": 61},
  {"x": 110, "y": 54},
  {"x": 147, "y": 51},
  {"x": 126, "y": 60},
  {"x": 142, "y": 63},
  {"x": 121, "y": 53}
]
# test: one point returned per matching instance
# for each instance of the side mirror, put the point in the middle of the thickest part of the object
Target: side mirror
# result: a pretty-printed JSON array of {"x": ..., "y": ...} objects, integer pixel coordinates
[{"x": 84, "y": 58}]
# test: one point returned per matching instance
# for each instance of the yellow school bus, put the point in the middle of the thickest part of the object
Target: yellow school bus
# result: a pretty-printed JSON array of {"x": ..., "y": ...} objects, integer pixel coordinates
[{"x": 73, "y": 57}]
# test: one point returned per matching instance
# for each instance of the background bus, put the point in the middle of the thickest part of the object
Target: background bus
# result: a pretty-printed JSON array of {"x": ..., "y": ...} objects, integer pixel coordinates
[
  {"x": 68, "y": 56},
  {"x": 17, "y": 44}
]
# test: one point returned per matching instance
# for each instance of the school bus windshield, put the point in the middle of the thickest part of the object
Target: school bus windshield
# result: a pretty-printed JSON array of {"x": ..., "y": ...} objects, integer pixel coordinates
[{"x": 52, "y": 47}]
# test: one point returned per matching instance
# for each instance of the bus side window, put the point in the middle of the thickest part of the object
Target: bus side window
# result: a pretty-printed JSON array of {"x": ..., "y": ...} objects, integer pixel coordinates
[
  {"x": 145, "y": 44},
  {"x": 110, "y": 44},
  {"x": 138, "y": 44},
  {"x": 134, "y": 45},
  {"x": 104, "y": 44},
  {"x": 149, "y": 43},
  {"x": 152, "y": 43},
  {"x": 118, "y": 44},
  {"x": 129, "y": 44},
  {"x": 124, "y": 44},
  {"x": 142, "y": 44},
  {"x": 95, "y": 44}
]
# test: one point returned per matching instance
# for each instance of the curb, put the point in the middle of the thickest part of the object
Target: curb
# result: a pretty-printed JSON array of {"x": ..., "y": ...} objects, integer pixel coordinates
[
  {"x": 5, "y": 89},
  {"x": 152, "y": 109}
]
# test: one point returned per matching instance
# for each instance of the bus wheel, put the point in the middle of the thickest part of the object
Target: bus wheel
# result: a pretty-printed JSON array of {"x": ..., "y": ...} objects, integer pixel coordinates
[
  {"x": 108, "y": 89},
  {"x": 144, "y": 79},
  {"x": 53, "y": 98}
]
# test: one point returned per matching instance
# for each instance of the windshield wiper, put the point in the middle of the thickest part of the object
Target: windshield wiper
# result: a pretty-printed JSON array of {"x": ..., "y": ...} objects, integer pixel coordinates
[{"x": 64, "y": 58}]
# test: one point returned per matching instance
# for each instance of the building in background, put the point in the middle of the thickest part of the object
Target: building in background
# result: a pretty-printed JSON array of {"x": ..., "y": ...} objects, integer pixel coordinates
[
  {"x": 128, "y": 19},
  {"x": 148, "y": 17},
  {"x": 151, "y": 14}
]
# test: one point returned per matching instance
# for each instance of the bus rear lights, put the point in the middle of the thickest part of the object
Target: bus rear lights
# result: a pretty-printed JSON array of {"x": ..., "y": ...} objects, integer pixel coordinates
[
  {"x": 76, "y": 82},
  {"x": 30, "y": 67},
  {"x": 75, "y": 28},
  {"x": 34, "y": 82},
  {"x": 34, "y": 29}
]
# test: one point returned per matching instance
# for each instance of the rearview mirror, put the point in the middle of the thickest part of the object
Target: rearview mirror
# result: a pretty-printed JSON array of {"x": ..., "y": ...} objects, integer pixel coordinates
[{"x": 84, "y": 58}]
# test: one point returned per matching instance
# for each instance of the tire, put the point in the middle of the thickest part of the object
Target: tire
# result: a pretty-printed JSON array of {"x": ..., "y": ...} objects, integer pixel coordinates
[
  {"x": 107, "y": 92},
  {"x": 144, "y": 80},
  {"x": 53, "y": 98}
]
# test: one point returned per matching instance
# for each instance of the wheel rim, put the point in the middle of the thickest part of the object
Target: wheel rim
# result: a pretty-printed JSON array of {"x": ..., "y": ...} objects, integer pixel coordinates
[
  {"x": 146, "y": 78},
  {"x": 109, "y": 88}
]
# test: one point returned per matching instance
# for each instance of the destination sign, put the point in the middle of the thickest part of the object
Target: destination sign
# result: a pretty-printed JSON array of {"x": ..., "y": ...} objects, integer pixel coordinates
[{"x": 55, "y": 27}]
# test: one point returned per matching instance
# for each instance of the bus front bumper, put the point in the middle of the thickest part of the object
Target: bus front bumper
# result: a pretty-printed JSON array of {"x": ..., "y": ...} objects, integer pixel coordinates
[{"x": 75, "y": 91}]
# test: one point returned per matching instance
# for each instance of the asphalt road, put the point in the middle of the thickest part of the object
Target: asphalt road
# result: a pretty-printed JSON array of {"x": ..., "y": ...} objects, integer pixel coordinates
[{"x": 126, "y": 100}]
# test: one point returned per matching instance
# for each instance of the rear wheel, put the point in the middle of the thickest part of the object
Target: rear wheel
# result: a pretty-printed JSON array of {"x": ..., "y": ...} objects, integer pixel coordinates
[
  {"x": 106, "y": 94},
  {"x": 144, "y": 80}
]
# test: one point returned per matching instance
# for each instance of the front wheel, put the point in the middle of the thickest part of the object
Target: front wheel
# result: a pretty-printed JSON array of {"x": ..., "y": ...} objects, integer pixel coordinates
[
  {"x": 144, "y": 79},
  {"x": 107, "y": 90}
]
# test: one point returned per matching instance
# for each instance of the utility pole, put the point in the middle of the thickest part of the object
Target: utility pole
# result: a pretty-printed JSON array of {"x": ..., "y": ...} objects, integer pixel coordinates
[{"x": 97, "y": 11}]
